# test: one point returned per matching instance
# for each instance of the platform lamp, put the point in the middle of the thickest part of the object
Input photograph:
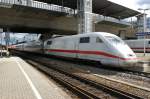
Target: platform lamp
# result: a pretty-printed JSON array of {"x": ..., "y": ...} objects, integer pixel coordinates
[{"x": 144, "y": 25}]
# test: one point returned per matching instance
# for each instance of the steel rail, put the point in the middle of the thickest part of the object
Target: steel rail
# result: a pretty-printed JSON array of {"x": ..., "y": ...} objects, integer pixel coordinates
[{"x": 116, "y": 92}]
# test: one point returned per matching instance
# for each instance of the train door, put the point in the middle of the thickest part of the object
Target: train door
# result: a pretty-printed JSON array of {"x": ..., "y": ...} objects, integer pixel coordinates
[
  {"x": 76, "y": 46},
  {"x": 47, "y": 47},
  {"x": 99, "y": 46},
  {"x": 84, "y": 47},
  {"x": 70, "y": 46}
]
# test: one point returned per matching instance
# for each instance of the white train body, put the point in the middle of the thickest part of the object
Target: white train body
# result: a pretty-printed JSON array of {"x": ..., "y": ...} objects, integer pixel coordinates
[
  {"x": 138, "y": 45},
  {"x": 33, "y": 46},
  {"x": 105, "y": 48},
  {"x": 19, "y": 47}
]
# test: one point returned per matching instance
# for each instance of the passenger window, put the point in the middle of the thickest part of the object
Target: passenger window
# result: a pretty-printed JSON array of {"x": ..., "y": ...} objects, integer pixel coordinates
[
  {"x": 148, "y": 42},
  {"x": 49, "y": 42},
  {"x": 98, "y": 40},
  {"x": 84, "y": 39}
]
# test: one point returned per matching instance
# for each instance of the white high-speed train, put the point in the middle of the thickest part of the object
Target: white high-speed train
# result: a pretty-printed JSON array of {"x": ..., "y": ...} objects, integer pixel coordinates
[
  {"x": 138, "y": 45},
  {"x": 106, "y": 48}
]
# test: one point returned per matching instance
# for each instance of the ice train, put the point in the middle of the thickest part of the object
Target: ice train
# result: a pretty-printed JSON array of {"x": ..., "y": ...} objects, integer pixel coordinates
[
  {"x": 138, "y": 45},
  {"x": 106, "y": 48}
]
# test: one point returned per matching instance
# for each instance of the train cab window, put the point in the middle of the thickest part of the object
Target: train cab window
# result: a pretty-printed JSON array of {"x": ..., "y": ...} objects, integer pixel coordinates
[
  {"x": 84, "y": 39},
  {"x": 114, "y": 39},
  {"x": 49, "y": 42},
  {"x": 98, "y": 40}
]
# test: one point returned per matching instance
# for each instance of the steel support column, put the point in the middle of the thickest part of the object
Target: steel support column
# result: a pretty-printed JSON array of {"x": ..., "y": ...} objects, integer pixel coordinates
[{"x": 85, "y": 16}]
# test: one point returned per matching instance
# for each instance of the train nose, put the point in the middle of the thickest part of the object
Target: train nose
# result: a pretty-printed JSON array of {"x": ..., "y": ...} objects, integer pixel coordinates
[{"x": 130, "y": 62}]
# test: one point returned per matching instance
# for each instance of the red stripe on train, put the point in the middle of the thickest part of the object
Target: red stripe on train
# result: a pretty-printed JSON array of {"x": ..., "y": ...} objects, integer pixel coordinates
[
  {"x": 89, "y": 52},
  {"x": 140, "y": 48}
]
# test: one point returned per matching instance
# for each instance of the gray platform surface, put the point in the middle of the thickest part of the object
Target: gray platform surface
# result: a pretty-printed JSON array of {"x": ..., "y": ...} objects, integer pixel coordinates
[{"x": 19, "y": 80}]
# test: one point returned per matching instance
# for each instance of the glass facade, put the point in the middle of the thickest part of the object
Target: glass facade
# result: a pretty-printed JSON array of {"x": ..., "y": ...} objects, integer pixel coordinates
[
  {"x": 148, "y": 23},
  {"x": 140, "y": 26}
]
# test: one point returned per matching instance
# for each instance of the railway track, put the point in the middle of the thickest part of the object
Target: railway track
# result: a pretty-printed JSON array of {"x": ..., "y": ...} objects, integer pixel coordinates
[
  {"x": 80, "y": 88},
  {"x": 85, "y": 88},
  {"x": 138, "y": 73},
  {"x": 124, "y": 70},
  {"x": 132, "y": 72}
]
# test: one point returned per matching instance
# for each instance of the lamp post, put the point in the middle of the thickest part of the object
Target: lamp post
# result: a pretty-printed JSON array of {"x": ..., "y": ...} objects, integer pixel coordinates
[{"x": 144, "y": 26}]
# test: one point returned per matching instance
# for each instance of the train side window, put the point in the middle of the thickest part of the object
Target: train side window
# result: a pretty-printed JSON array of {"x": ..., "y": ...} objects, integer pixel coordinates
[
  {"x": 49, "y": 42},
  {"x": 98, "y": 40},
  {"x": 148, "y": 42},
  {"x": 84, "y": 39}
]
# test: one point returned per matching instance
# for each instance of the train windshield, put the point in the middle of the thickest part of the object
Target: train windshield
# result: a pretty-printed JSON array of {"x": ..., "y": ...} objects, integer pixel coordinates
[{"x": 114, "y": 39}]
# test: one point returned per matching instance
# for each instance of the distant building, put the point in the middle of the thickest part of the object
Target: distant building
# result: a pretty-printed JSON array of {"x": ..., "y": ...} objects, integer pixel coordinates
[
  {"x": 140, "y": 25},
  {"x": 148, "y": 24}
]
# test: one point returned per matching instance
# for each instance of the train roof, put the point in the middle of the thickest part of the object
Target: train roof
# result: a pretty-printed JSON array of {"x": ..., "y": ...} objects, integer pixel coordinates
[
  {"x": 86, "y": 34},
  {"x": 138, "y": 40},
  {"x": 97, "y": 34}
]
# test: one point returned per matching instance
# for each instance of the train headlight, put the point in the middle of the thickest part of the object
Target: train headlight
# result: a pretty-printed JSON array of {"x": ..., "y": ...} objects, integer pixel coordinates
[{"x": 130, "y": 55}]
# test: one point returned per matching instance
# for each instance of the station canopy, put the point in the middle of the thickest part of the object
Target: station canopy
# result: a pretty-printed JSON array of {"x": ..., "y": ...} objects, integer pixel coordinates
[{"x": 102, "y": 7}]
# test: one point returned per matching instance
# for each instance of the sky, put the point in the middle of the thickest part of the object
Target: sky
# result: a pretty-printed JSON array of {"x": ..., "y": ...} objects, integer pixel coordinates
[{"x": 134, "y": 4}]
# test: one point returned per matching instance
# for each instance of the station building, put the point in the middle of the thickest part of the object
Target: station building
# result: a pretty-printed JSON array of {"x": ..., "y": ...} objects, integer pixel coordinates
[{"x": 139, "y": 26}]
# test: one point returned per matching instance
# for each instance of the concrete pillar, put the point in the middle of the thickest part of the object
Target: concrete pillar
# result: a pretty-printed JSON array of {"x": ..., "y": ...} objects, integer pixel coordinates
[
  {"x": 7, "y": 38},
  {"x": 85, "y": 16},
  {"x": 122, "y": 34}
]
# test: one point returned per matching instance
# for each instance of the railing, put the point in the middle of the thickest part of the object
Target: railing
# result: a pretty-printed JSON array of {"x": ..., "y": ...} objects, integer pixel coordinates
[
  {"x": 100, "y": 18},
  {"x": 52, "y": 7},
  {"x": 39, "y": 5}
]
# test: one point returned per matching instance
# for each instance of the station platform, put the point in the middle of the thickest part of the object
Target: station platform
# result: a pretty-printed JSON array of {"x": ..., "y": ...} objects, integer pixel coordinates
[
  {"x": 144, "y": 58},
  {"x": 19, "y": 80}
]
